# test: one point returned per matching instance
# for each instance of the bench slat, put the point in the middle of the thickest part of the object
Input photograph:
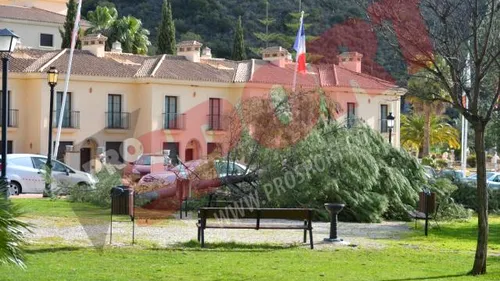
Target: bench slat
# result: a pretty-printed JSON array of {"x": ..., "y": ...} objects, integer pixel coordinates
[
  {"x": 253, "y": 226},
  {"x": 265, "y": 213}
]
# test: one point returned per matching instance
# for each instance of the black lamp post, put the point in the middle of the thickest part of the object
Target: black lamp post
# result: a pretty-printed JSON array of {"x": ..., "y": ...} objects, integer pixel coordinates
[
  {"x": 390, "y": 125},
  {"x": 52, "y": 76},
  {"x": 8, "y": 42}
]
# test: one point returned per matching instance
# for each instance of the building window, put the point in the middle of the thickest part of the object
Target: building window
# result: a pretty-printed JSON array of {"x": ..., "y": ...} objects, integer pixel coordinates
[
  {"x": 115, "y": 118},
  {"x": 213, "y": 147},
  {"x": 174, "y": 151},
  {"x": 9, "y": 146},
  {"x": 351, "y": 114},
  {"x": 12, "y": 114},
  {"x": 114, "y": 152},
  {"x": 67, "y": 110},
  {"x": 61, "y": 150},
  {"x": 214, "y": 117},
  {"x": 171, "y": 118},
  {"x": 46, "y": 40},
  {"x": 383, "y": 118}
]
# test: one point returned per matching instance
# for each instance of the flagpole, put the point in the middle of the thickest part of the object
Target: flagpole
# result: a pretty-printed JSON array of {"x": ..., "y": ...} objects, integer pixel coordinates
[
  {"x": 465, "y": 124},
  {"x": 68, "y": 74},
  {"x": 296, "y": 58}
]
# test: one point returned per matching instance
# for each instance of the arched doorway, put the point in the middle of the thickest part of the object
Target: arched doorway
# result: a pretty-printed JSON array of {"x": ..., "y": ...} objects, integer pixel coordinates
[
  {"x": 88, "y": 150},
  {"x": 193, "y": 150}
]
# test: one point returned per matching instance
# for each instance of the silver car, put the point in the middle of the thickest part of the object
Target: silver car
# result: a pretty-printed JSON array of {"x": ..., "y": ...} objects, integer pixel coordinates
[
  {"x": 26, "y": 174},
  {"x": 492, "y": 179}
]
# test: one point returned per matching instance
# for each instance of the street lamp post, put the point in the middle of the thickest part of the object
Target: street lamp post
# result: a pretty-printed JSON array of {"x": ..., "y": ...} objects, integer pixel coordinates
[
  {"x": 8, "y": 42},
  {"x": 52, "y": 76},
  {"x": 390, "y": 125}
]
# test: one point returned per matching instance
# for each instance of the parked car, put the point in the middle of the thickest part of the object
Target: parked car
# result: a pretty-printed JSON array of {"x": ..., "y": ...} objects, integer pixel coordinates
[
  {"x": 26, "y": 174},
  {"x": 453, "y": 175},
  {"x": 187, "y": 169},
  {"x": 142, "y": 166},
  {"x": 430, "y": 173},
  {"x": 492, "y": 179}
]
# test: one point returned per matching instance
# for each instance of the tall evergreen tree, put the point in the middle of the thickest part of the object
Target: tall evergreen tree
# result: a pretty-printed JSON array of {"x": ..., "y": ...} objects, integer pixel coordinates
[
  {"x": 68, "y": 25},
  {"x": 266, "y": 37},
  {"x": 239, "y": 52},
  {"x": 166, "y": 31}
]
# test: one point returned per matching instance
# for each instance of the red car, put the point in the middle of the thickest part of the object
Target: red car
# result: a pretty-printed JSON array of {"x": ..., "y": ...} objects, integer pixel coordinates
[
  {"x": 191, "y": 177},
  {"x": 145, "y": 164}
]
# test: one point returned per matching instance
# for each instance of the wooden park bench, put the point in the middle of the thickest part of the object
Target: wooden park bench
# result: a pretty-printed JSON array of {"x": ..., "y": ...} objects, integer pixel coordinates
[{"x": 224, "y": 214}]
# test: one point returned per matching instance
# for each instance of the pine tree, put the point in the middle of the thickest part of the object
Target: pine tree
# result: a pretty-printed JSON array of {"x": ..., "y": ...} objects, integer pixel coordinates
[
  {"x": 68, "y": 25},
  {"x": 266, "y": 37},
  {"x": 239, "y": 52},
  {"x": 166, "y": 31}
]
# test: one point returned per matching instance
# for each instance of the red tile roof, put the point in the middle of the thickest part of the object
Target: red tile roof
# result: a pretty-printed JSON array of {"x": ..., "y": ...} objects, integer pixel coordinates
[
  {"x": 179, "y": 68},
  {"x": 33, "y": 14}
]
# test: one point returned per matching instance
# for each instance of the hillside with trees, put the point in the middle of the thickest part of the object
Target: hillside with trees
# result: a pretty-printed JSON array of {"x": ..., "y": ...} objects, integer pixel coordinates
[{"x": 213, "y": 22}]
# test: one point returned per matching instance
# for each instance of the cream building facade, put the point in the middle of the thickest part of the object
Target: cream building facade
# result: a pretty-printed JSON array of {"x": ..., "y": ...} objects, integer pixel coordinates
[
  {"x": 124, "y": 105},
  {"x": 56, "y": 6},
  {"x": 38, "y": 24}
]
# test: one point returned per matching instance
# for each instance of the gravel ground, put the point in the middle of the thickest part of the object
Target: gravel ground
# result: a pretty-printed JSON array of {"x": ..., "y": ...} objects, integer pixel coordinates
[{"x": 89, "y": 232}]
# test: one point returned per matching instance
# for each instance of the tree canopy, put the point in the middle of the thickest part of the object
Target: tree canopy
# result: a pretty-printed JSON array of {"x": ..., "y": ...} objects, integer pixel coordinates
[
  {"x": 67, "y": 31},
  {"x": 126, "y": 30},
  {"x": 166, "y": 31},
  {"x": 239, "y": 51}
]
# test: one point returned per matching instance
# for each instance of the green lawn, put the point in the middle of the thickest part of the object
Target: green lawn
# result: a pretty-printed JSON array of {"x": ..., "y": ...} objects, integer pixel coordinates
[{"x": 447, "y": 254}]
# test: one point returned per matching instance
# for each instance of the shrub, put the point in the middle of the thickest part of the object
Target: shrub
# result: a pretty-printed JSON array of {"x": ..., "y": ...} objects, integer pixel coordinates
[
  {"x": 101, "y": 194},
  {"x": 466, "y": 194},
  {"x": 441, "y": 163},
  {"x": 428, "y": 161},
  {"x": 471, "y": 161},
  {"x": 448, "y": 207}
]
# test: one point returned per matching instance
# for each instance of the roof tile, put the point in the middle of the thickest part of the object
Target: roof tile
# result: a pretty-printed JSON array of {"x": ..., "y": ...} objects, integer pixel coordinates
[{"x": 33, "y": 14}]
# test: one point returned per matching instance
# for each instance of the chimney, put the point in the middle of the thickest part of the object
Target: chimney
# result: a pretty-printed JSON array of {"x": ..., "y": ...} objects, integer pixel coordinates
[
  {"x": 116, "y": 47},
  {"x": 276, "y": 55},
  {"x": 206, "y": 53},
  {"x": 190, "y": 50},
  {"x": 95, "y": 43},
  {"x": 351, "y": 61}
]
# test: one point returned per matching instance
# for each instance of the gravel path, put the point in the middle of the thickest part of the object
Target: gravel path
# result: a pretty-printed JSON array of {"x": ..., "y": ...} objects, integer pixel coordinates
[{"x": 89, "y": 232}]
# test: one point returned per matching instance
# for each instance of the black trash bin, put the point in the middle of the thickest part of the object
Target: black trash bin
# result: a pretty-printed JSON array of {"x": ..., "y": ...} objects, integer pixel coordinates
[
  {"x": 122, "y": 200},
  {"x": 122, "y": 203}
]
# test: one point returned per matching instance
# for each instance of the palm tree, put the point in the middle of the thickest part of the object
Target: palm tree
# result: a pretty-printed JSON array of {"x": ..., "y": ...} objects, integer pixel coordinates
[
  {"x": 101, "y": 20},
  {"x": 11, "y": 236},
  {"x": 440, "y": 133},
  {"x": 126, "y": 30},
  {"x": 420, "y": 87}
]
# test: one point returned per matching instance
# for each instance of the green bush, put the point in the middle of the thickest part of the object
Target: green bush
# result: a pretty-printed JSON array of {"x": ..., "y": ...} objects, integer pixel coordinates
[
  {"x": 471, "y": 161},
  {"x": 99, "y": 196},
  {"x": 448, "y": 207},
  {"x": 441, "y": 163},
  {"x": 428, "y": 161},
  {"x": 466, "y": 194}
]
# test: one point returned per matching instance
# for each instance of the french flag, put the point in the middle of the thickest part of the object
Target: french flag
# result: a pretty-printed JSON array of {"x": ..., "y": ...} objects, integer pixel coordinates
[{"x": 300, "y": 47}]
